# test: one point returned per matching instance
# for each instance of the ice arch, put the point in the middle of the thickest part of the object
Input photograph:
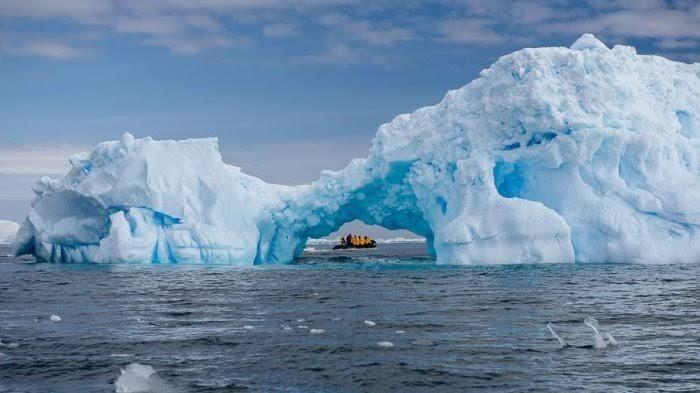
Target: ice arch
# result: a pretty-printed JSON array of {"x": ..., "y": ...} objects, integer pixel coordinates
[{"x": 584, "y": 154}]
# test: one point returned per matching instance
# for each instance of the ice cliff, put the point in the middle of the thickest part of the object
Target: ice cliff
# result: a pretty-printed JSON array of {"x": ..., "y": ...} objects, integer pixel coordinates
[{"x": 584, "y": 154}]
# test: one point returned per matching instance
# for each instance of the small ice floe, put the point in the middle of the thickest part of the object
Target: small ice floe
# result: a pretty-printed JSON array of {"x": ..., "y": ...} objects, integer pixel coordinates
[
  {"x": 140, "y": 378},
  {"x": 248, "y": 327},
  {"x": 55, "y": 318},
  {"x": 7, "y": 344},
  {"x": 555, "y": 335},
  {"x": 385, "y": 344},
  {"x": 400, "y": 332},
  {"x": 370, "y": 323},
  {"x": 317, "y": 331},
  {"x": 286, "y": 327},
  {"x": 423, "y": 342},
  {"x": 315, "y": 293},
  {"x": 302, "y": 327},
  {"x": 598, "y": 340},
  {"x": 301, "y": 320}
]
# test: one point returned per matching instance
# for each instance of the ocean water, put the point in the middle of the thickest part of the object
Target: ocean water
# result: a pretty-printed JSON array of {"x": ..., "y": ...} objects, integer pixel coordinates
[{"x": 352, "y": 321}]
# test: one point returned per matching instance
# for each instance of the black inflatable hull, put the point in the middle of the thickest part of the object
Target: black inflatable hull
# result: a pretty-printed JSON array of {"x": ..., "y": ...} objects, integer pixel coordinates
[{"x": 371, "y": 245}]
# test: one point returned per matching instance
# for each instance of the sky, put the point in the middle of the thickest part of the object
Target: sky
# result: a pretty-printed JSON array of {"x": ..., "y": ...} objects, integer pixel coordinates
[{"x": 289, "y": 87}]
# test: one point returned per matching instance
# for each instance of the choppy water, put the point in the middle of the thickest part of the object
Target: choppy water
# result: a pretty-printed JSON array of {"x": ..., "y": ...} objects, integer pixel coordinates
[{"x": 210, "y": 329}]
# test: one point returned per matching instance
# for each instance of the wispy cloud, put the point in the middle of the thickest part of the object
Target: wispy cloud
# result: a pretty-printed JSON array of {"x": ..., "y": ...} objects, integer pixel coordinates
[
  {"x": 28, "y": 160},
  {"x": 43, "y": 47},
  {"x": 280, "y": 30},
  {"x": 338, "y": 54},
  {"x": 362, "y": 30},
  {"x": 191, "y": 27},
  {"x": 468, "y": 31}
]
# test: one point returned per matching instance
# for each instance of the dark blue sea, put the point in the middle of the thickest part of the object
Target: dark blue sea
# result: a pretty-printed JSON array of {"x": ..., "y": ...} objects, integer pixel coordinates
[{"x": 383, "y": 320}]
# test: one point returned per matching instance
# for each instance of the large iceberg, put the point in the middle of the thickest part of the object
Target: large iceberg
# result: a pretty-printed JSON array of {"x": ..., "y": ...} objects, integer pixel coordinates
[{"x": 581, "y": 154}]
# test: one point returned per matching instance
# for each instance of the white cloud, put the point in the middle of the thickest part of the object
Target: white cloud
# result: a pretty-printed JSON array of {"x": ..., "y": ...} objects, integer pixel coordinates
[
  {"x": 661, "y": 23},
  {"x": 361, "y": 30},
  {"x": 672, "y": 43},
  {"x": 189, "y": 45},
  {"x": 338, "y": 54},
  {"x": 280, "y": 30},
  {"x": 50, "y": 49},
  {"x": 468, "y": 31},
  {"x": 188, "y": 27},
  {"x": 27, "y": 160}
]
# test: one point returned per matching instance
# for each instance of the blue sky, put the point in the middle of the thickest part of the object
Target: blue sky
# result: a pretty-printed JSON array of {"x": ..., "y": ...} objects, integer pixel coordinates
[{"x": 289, "y": 87}]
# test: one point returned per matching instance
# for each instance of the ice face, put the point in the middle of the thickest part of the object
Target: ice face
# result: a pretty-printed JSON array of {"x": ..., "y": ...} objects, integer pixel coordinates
[{"x": 585, "y": 154}]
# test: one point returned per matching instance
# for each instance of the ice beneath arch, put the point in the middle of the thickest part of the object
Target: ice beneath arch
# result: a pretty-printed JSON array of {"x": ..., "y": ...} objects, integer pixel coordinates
[{"x": 584, "y": 154}]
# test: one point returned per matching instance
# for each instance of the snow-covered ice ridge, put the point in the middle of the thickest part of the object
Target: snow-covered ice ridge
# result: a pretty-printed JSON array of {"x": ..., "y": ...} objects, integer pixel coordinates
[{"x": 583, "y": 154}]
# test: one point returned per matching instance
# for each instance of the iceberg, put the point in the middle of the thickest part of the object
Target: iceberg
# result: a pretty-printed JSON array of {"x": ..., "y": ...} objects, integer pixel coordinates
[
  {"x": 553, "y": 155},
  {"x": 8, "y": 230}
]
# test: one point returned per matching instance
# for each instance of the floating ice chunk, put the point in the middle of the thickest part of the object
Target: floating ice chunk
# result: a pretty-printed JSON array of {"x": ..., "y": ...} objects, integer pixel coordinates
[
  {"x": 317, "y": 331},
  {"x": 55, "y": 318},
  {"x": 248, "y": 327},
  {"x": 141, "y": 378},
  {"x": 555, "y": 335},
  {"x": 370, "y": 323},
  {"x": 385, "y": 344},
  {"x": 400, "y": 332},
  {"x": 286, "y": 327},
  {"x": 302, "y": 327},
  {"x": 301, "y": 320}
]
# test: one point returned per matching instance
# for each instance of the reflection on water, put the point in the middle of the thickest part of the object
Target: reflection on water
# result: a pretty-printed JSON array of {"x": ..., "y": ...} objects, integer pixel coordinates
[{"x": 304, "y": 328}]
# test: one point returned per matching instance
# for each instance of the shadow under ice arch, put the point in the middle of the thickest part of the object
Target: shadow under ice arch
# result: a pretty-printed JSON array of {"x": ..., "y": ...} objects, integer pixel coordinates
[{"x": 584, "y": 154}]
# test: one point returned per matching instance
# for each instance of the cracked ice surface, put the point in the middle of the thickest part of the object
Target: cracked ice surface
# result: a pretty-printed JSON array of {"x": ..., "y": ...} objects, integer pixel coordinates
[{"x": 583, "y": 154}]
